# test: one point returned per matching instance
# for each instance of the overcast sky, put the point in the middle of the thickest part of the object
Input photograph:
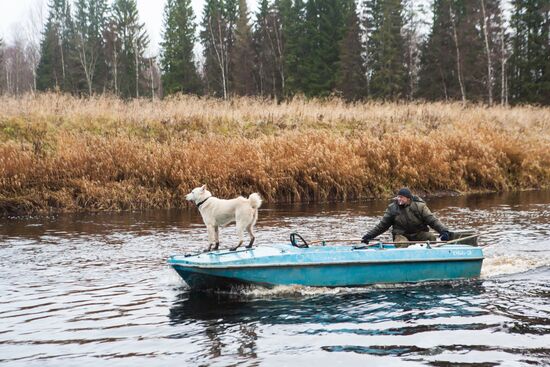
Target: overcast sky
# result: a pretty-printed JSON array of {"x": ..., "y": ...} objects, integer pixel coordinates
[{"x": 14, "y": 15}]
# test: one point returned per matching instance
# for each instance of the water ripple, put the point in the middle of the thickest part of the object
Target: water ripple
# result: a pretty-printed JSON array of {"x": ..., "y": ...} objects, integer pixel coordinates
[{"x": 90, "y": 290}]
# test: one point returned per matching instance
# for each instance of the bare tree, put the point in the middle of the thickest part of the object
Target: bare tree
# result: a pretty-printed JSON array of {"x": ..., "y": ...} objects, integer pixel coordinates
[
  {"x": 458, "y": 63},
  {"x": 152, "y": 73},
  {"x": 136, "y": 57},
  {"x": 504, "y": 55},
  {"x": 220, "y": 47},
  {"x": 413, "y": 39},
  {"x": 17, "y": 69},
  {"x": 86, "y": 61},
  {"x": 2, "y": 65},
  {"x": 32, "y": 27},
  {"x": 112, "y": 49},
  {"x": 488, "y": 53},
  {"x": 275, "y": 36},
  {"x": 90, "y": 24}
]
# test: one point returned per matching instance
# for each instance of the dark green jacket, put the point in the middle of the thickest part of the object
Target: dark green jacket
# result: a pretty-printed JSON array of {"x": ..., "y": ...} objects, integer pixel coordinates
[{"x": 408, "y": 219}]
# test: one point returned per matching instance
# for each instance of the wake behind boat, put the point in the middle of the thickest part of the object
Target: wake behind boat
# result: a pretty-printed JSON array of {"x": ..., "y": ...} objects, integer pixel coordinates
[{"x": 328, "y": 266}]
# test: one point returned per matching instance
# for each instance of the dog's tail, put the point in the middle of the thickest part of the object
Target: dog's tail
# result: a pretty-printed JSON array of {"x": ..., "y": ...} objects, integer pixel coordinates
[{"x": 255, "y": 200}]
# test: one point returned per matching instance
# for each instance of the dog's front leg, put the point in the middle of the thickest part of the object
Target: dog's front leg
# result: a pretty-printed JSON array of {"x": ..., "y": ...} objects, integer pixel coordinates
[{"x": 211, "y": 236}]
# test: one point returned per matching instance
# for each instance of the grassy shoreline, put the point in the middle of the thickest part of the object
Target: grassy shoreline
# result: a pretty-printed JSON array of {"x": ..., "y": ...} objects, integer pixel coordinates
[{"x": 61, "y": 153}]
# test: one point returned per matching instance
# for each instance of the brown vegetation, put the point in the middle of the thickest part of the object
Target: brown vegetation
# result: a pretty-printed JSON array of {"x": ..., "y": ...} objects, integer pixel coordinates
[{"x": 63, "y": 153}]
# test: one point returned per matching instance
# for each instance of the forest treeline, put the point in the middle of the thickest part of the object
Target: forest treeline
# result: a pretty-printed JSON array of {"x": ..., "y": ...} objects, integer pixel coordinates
[{"x": 471, "y": 50}]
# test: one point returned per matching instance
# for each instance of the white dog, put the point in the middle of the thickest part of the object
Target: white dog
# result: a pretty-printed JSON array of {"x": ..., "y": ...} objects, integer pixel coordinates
[{"x": 219, "y": 212}]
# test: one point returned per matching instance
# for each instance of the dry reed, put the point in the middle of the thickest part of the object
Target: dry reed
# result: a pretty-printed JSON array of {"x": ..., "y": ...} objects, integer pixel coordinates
[{"x": 67, "y": 154}]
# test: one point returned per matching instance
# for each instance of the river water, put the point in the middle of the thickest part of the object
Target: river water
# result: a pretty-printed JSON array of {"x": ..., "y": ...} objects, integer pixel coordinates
[{"x": 89, "y": 290}]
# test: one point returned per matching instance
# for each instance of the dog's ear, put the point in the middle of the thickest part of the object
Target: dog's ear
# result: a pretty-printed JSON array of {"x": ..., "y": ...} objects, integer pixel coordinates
[{"x": 203, "y": 187}]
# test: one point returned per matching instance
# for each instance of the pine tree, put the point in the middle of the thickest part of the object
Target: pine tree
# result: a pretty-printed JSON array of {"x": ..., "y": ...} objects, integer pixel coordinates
[
  {"x": 529, "y": 65},
  {"x": 265, "y": 48},
  {"x": 177, "y": 59},
  {"x": 90, "y": 25},
  {"x": 471, "y": 45},
  {"x": 438, "y": 72},
  {"x": 310, "y": 69},
  {"x": 56, "y": 65},
  {"x": 351, "y": 79},
  {"x": 292, "y": 18},
  {"x": 386, "y": 50},
  {"x": 242, "y": 56},
  {"x": 132, "y": 42},
  {"x": 269, "y": 46},
  {"x": 230, "y": 9},
  {"x": 462, "y": 48},
  {"x": 325, "y": 22},
  {"x": 545, "y": 87}
]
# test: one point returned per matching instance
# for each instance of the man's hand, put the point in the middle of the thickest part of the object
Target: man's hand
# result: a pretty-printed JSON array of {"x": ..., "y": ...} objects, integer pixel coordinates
[
  {"x": 365, "y": 239},
  {"x": 444, "y": 236}
]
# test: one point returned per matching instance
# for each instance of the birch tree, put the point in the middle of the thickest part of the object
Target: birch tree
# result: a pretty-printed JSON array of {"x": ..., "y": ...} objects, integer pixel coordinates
[
  {"x": 412, "y": 38},
  {"x": 90, "y": 24},
  {"x": 485, "y": 30},
  {"x": 2, "y": 67},
  {"x": 215, "y": 40},
  {"x": 457, "y": 53},
  {"x": 33, "y": 24}
]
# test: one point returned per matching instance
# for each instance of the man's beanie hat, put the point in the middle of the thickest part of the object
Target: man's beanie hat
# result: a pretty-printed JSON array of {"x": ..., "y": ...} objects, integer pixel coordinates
[{"x": 405, "y": 192}]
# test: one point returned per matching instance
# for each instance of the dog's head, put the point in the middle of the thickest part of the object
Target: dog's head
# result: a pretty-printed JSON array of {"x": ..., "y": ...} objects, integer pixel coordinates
[{"x": 198, "y": 194}]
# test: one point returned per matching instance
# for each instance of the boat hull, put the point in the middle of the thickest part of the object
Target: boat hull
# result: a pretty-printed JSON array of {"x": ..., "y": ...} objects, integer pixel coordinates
[{"x": 329, "y": 267}]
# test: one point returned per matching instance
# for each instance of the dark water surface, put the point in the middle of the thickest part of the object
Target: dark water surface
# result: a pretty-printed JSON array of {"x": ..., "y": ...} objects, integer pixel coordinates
[{"x": 94, "y": 290}]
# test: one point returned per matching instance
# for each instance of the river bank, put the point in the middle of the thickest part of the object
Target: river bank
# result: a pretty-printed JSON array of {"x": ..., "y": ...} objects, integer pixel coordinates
[{"x": 60, "y": 153}]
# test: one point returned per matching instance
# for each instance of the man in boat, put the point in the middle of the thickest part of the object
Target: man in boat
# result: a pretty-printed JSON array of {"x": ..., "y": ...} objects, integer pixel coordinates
[{"x": 409, "y": 217}]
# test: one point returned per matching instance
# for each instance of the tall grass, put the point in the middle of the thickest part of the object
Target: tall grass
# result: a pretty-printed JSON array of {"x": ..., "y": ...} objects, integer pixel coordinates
[{"x": 64, "y": 153}]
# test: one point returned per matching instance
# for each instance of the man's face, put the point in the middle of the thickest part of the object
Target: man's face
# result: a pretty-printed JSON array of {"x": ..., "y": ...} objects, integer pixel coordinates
[{"x": 403, "y": 200}]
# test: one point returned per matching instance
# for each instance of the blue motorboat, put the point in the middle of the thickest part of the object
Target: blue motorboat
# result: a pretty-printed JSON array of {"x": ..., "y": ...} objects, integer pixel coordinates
[{"x": 328, "y": 266}]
